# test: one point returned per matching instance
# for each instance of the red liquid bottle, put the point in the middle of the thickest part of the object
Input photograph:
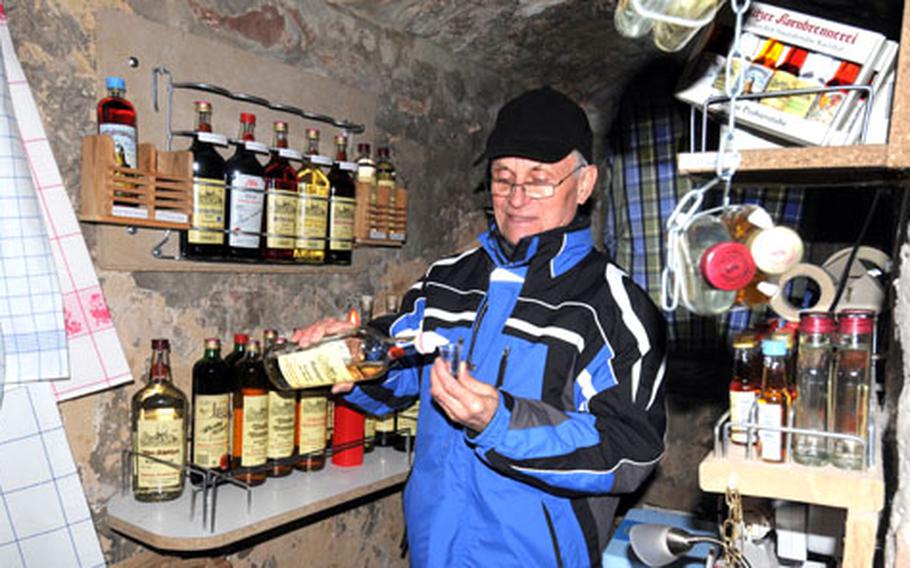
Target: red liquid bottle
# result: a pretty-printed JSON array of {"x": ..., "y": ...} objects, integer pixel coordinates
[
  {"x": 205, "y": 239},
  {"x": 280, "y": 215},
  {"x": 117, "y": 119},
  {"x": 342, "y": 194}
]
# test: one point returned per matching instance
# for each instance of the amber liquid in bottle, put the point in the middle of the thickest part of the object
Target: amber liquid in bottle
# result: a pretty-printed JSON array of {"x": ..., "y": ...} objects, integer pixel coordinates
[
  {"x": 312, "y": 410},
  {"x": 746, "y": 384},
  {"x": 313, "y": 207},
  {"x": 773, "y": 403},
  {"x": 251, "y": 418},
  {"x": 211, "y": 412},
  {"x": 205, "y": 238},
  {"x": 159, "y": 413},
  {"x": 279, "y": 221},
  {"x": 340, "y": 234}
]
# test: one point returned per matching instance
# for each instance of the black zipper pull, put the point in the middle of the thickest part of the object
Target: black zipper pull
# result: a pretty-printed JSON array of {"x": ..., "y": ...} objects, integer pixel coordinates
[
  {"x": 503, "y": 363},
  {"x": 480, "y": 314}
]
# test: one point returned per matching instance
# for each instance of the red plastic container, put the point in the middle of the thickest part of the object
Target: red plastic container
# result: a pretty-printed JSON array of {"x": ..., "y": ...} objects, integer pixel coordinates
[{"x": 347, "y": 438}]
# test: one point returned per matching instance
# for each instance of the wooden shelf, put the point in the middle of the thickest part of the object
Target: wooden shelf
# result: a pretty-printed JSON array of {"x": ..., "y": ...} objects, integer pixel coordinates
[{"x": 169, "y": 526}]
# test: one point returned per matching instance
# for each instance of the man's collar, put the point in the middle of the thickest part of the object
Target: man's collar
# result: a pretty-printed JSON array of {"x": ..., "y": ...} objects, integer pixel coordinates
[{"x": 562, "y": 247}]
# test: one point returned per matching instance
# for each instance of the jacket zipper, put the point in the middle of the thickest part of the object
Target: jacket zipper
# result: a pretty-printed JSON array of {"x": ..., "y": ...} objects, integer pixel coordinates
[
  {"x": 474, "y": 329},
  {"x": 552, "y": 529}
]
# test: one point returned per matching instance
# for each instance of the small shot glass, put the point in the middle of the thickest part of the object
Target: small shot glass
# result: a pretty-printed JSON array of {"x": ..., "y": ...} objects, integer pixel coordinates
[{"x": 451, "y": 353}]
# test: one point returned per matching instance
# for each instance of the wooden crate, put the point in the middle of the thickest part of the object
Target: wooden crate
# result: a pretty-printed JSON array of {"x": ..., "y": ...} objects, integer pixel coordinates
[
  {"x": 157, "y": 193},
  {"x": 380, "y": 218}
]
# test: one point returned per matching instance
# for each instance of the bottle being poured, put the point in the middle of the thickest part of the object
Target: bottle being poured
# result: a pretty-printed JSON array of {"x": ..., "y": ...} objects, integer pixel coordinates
[{"x": 359, "y": 353}]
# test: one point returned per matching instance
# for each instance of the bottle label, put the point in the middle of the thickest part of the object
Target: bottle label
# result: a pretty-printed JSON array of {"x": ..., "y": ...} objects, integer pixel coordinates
[
  {"x": 159, "y": 433},
  {"x": 740, "y": 405},
  {"x": 212, "y": 138},
  {"x": 407, "y": 419},
  {"x": 246, "y": 210},
  {"x": 771, "y": 414},
  {"x": 124, "y": 142},
  {"x": 826, "y": 106},
  {"x": 369, "y": 427},
  {"x": 211, "y": 420},
  {"x": 281, "y": 216},
  {"x": 757, "y": 77},
  {"x": 281, "y": 424},
  {"x": 341, "y": 235},
  {"x": 330, "y": 419},
  {"x": 208, "y": 212},
  {"x": 312, "y": 219},
  {"x": 366, "y": 174},
  {"x": 255, "y": 431},
  {"x": 320, "y": 365},
  {"x": 387, "y": 424},
  {"x": 312, "y": 419}
]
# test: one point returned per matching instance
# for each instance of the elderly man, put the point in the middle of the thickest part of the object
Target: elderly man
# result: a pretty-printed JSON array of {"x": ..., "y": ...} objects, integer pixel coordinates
[{"x": 557, "y": 407}]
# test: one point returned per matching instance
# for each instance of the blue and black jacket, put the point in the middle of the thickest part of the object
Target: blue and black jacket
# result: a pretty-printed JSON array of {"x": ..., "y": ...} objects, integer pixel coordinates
[{"x": 577, "y": 351}]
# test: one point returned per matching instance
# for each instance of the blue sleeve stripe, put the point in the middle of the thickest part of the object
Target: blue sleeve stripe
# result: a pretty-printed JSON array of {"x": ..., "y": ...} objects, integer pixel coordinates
[{"x": 538, "y": 442}]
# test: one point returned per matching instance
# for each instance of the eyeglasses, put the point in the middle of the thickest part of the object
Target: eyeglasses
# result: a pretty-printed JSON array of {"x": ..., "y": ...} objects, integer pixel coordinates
[{"x": 533, "y": 190}]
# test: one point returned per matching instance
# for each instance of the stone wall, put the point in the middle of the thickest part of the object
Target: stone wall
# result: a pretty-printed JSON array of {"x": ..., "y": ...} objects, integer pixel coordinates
[{"x": 433, "y": 109}]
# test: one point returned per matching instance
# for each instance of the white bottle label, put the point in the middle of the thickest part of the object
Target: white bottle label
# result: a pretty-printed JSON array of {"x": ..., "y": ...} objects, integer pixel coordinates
[
  {"x": 319, "y": 365},
  {"x": 211, "y": 429},
  {"x": 282, "y": 406},
  {"x": 246, "y": 211},
  {"x": 740, "y": 405},
  {"x": 770, "y": 414},
  {"x": 124, "y": 142}
]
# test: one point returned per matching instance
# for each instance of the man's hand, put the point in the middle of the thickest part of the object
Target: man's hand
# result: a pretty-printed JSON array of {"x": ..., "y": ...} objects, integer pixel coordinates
[
  {"x": 464, "y": 399},
  {"x": 309, "y": 335}
]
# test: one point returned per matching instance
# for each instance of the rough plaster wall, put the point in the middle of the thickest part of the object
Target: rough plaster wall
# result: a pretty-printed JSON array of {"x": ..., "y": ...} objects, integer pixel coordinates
[
  {"x": 433, "y": 107},
  {"x": 898, "y": 541}
]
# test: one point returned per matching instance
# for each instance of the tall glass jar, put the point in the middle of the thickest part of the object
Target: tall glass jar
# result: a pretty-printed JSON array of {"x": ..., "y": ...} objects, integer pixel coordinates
[
  {"x": 813, "y": 383},
  {"x": 852, "y": 383}
]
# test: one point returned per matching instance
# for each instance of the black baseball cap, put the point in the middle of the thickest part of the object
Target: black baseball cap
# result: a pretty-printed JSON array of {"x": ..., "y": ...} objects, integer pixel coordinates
[{"x": 541, "y": 124}]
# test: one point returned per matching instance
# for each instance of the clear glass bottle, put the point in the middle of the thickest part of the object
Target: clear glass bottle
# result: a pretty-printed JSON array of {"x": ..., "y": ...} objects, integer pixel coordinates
[
  {"x": 211, "y": 445},
  {"x": 251, "y": 418},
  {"x": 774, "y": 400},
  {"x": 813, "y": 382},
  {"x": 697, "y": 294},
  {"x": 746, "y": 383},
  {"x": 159, "y": 413},
  {"x": 672, "y": 37},
  {"x": 629, "y": 23},
  {"x": 851, "y": 386}
]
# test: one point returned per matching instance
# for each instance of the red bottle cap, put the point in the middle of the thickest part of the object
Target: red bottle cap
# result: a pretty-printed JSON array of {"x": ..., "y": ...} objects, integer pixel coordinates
[
  {"x": 728, "y": 266},
  {"x": 247, "y": 118},
  {"x": 161, "y": 344},
  {"x": 816, "y": 322},
  {"x": 856, "y": 322},
  {"x": 241, "y": 338}
]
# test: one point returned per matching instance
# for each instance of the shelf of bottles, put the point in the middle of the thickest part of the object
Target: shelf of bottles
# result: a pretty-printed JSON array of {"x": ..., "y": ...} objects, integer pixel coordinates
[{"x": 302, "y": 208}]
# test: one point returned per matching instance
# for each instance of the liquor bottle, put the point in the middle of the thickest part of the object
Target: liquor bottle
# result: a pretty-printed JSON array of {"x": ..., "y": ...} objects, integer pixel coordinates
[
  {"x": 629, "y": 23},
  {"x": 787, "y": 335},
  {"x": 282, "y": 423},
  {"x": 329, "y": 420},
  {"x": 117, "y": 119},
  {"x": 786, "y": 77},
  {"x": 852, "y": 383},
  {"x": 241, "y": 340},
  {"x": 759, "y": 73},
  {"x": 342, "y": 201},
  {"x": 384, "y": 431},
  {"x": 280, "y": 219},
  {"x": 269, "y": 339},
  {"x": 386, "y": 191},
  {"x": 775, "y": 250},
  {"x": 251, "y": 418},
  {"x": 359, "y": 354},
  {"x": 312, "y": 408},
  {"x": 696, "y": 293},
  {"x": 159, "y": 430},
  {"x": 774, "y": 400},
  {"x": 369, "y": 422},
  {"x": 245, "y": 177},
  {"x": 211, "y": 443},
  {"x": 746, "y": 384},
  {"x": 205, "y": 239},
  {"x": 743, "y": 221},
  {"x": 313, "y": 206},
  {"x": 813, "y": 383},
  {"x": 673, "y": 37},
  {"x": 407, "y": 427},
  {"x": 826, "y": 105},
  {"x": 366, "y": 174}
]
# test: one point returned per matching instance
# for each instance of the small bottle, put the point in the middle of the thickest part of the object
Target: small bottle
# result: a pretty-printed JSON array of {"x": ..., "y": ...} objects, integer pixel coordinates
[
  {"x": 205, "y": 239},
  {"x": 369, "y": 423},
  {"x": 159, "y": 413},
  {"x": 251, "y": 418},
  {"x": 279, "y": 223},
  {"x": 774, "y": 400},
  {"x": 827, "y": 104},
  {"x": 117, "y": 119},
  {"x": 775, "y": 250},
  {"x": 697, "y": 293},
  {"x": 342, "y": 204},
  {"x": 813, "y": 383},
  {"x": 386, "y": 187},
  {"x": 313, "y": 208},
  {"x": 366, "y": 174},
  {"x": 355, "y": 355},
  {"x": 384, "y": 431},
  {"x": 211, "y": 411},
  {"x": 851, "y": 386},
  {"x": 743, "y": 221},
  {"x": 759, "y": 73},
  {"x": 629, "y": 23},
  {"x": 746, "y": 383},
  {"x": 787, "y": 335},
  {"x": 245, "y": 177},
  {"x": 786, "y": 77},
  {"x": 406, "y": 427},
  {"x": 282, "y": 423},
  {"x": 673, "y": 37}
]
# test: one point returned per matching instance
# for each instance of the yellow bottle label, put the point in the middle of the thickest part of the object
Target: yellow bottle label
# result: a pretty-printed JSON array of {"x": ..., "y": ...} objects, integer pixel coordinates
[
  {"x": 255, "y": 430},
  {"x": 369, "y": 427},
  {"x": 312, "y": 218},
  {"x": 797, "y": 105},
  {"x": 320, "y": 365},
  {"x": 208, "y": 212},
  {"x": 311, "y": 419},
  {"x": 160, "y": 433},
  {"x": 211, "y": 435},
  {"x": 281, "y": 219},
  {"x": 341, "y": 235},
  {"x": 330, "y": 419},
  {"x": 407, "y": 419},
  {"x": 386, "y": 424},
  {"x": 282, "y": 406}
]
